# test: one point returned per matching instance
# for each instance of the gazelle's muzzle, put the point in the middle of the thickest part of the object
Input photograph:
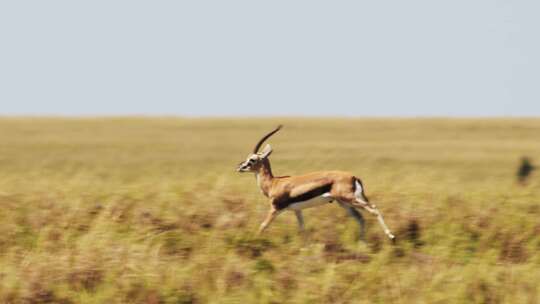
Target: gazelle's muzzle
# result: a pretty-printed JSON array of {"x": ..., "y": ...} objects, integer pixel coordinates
[{"x": 242, "y": 167}]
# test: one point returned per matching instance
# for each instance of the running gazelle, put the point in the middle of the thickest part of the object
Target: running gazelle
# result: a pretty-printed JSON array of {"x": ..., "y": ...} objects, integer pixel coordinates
[{"x": 303, "y": 191}]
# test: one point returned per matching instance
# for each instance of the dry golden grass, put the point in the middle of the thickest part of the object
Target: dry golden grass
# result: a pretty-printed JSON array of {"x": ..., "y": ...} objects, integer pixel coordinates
[{"x": 150, "y": 210}]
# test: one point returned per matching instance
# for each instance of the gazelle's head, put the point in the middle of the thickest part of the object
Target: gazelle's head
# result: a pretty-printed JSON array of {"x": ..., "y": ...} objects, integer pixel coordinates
[{"x": 255, "y": 160}]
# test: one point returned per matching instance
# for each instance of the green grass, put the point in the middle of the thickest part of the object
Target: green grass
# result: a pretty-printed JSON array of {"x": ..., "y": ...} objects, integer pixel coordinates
[{"x": 151, "y": 210}]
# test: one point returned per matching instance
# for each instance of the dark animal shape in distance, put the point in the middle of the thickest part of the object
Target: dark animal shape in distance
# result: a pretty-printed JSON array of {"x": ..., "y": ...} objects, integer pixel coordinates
[{"x": 524, "y": 170}]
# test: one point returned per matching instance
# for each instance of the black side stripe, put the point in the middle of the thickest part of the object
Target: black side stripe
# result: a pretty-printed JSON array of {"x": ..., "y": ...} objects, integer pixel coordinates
[{"x": 304, "y": 196}]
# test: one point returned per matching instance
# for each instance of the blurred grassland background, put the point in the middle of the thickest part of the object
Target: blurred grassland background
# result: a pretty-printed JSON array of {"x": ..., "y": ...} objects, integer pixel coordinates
[{"x": 151, "y": 210}]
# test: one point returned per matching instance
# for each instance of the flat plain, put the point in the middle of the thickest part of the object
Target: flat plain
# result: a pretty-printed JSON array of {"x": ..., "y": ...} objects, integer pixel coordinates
[{"x": 151, "y": 210}]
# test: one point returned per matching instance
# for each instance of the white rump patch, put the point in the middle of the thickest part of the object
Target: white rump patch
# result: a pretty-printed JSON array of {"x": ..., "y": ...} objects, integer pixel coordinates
[
  {"x": 359, "y": 190},
  {"x": 325, "y": 198}
]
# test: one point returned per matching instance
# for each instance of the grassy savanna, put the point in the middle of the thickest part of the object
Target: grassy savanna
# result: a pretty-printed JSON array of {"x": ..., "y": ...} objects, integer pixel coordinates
[{"x": 151, "y": 210}]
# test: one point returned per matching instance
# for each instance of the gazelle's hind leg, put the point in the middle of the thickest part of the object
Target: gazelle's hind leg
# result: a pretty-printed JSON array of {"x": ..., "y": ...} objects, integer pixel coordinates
[
  {"x": 357, "y": 216},
  {"x": 361, "y": 201},
  {"x": 373, "y": 210}
]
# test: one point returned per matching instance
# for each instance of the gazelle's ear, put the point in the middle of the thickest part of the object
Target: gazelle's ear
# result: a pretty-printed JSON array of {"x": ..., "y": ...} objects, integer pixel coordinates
[{"x": 266, "y": 151}]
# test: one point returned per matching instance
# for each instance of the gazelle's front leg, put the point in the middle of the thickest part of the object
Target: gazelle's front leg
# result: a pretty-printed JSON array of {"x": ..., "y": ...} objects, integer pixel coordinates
[
  {"x": 269, "y": 218},
  {"x": 300, "y": 219}
]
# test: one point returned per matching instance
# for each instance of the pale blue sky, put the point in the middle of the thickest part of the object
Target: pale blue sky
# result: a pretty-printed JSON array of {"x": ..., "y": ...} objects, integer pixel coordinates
[{"x": 355, "y": 58}]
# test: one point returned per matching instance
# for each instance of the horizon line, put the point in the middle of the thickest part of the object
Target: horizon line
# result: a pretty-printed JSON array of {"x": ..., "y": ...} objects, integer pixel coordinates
[{"x": 183, "y": 116}]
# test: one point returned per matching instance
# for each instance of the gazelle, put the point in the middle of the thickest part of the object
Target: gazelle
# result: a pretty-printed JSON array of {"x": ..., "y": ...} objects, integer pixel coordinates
[{"x": 295, "y": 193}]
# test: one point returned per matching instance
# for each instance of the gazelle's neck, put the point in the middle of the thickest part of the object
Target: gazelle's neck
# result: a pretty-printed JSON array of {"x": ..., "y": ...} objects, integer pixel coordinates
[{"x": 264, "y": 177}]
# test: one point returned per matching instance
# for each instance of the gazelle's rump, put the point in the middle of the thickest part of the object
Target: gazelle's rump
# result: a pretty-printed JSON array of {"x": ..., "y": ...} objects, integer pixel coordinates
[{"x": 359, "y": 189}]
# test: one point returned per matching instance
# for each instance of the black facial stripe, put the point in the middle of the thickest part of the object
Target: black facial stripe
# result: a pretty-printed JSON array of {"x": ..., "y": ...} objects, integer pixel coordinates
[{"x": 304, "y": 196}]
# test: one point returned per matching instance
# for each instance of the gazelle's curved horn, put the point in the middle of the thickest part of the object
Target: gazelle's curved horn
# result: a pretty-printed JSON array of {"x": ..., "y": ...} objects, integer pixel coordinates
[{"x": 265, "y": 138}]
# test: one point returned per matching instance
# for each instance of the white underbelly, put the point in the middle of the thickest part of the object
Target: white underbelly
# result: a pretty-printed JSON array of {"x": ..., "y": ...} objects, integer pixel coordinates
[{"x": 314, "y": 202}]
